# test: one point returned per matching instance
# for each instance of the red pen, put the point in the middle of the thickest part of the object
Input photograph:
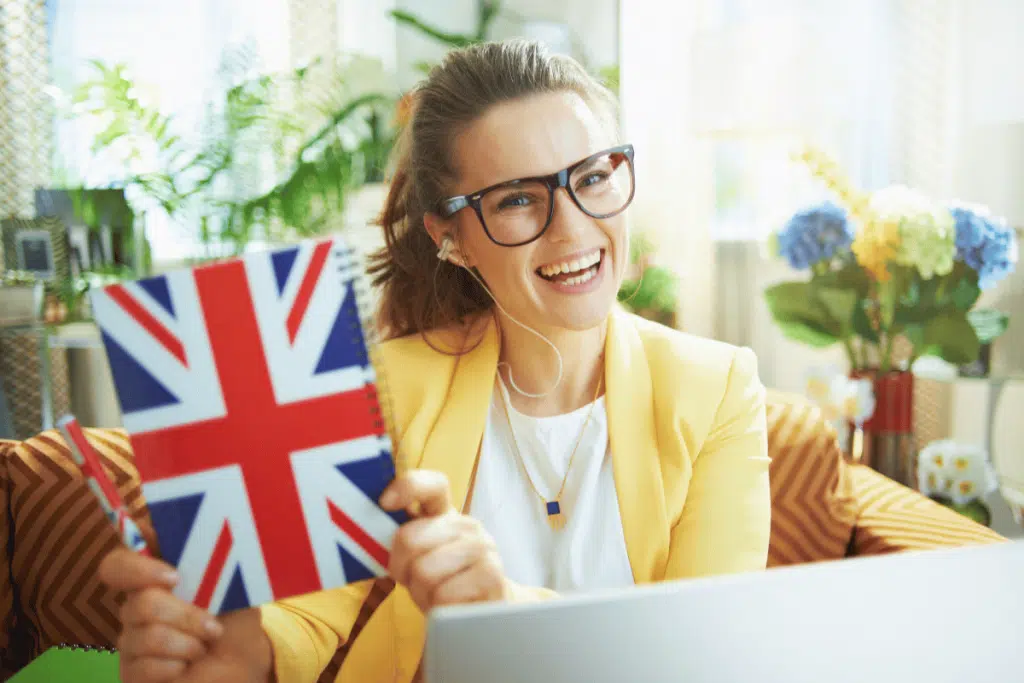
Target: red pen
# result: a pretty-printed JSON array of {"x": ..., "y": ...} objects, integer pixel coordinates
[{"x": 96, "y": 477}]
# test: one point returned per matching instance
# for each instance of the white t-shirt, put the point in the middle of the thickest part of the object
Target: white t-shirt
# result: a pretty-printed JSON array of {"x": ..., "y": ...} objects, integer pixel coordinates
[{"x": 589, "y": 552}]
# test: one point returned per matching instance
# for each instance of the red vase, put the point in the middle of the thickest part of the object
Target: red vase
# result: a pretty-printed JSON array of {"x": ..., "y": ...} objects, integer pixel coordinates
[{"x": 888, "y": 443}]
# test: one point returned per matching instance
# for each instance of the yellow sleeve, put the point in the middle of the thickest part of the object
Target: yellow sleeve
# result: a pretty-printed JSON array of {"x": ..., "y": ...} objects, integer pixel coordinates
[
  {"x": 726, "y": 519},
  {"x": 305, "y": 631}
]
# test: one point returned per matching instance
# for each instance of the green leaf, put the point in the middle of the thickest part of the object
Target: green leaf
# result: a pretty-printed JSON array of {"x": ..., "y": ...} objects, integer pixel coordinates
[
  {"x": 950, "y": 337},
  {"x": 850, "y": 275},
  {"x": 801, "y": 314},
  {"x": 117, "y": 129},
  {"x": 807, "y": 334},
  {"x": 862, "y": 323},
  {"x": 965, "y": 293},
  {"x": 840, "y": 304},
  {"x": 450, "y": 39},
  {"x": 988, "y": 323}
]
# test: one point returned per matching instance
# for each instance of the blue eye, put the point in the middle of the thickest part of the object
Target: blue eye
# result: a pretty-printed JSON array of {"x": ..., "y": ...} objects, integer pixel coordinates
[
  {"x": 591, "y": 179},
  {"x": 514, "y": 201}
]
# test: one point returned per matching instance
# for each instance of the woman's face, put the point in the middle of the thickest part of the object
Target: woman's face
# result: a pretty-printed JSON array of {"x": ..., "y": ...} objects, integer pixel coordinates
[{"x": 569, "y": 277}]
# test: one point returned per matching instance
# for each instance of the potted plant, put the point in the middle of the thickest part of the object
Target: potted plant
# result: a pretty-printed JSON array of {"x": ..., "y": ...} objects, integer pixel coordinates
[
  {"x": 322, "y": 130},
  {"x": 650, "y": 290},
  {"x": 886, "y": 267}
]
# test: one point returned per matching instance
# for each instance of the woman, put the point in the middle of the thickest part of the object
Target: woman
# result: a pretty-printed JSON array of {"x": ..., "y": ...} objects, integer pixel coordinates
[{"x": 552, "y": 442}]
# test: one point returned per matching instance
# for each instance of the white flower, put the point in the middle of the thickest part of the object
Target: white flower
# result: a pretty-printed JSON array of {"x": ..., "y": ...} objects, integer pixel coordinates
[
  {"x": 819, "y": 384},
  {"x": 854, "y": 398},
  {"x": 839, "y": 396},
  {"x": 958, "y": 471}
]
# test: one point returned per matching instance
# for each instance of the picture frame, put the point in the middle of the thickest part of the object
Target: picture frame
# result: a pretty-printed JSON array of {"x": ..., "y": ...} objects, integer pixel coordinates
[
  {"x": 36, "y": 245},
  {"x": 33, "y": 253},
  {"x": 99, "y": 222}
]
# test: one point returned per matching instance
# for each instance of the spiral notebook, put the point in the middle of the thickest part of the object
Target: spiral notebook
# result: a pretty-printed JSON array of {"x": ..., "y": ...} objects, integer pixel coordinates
[
  {"x": 256, "y": 418},
  {"x": 71, "y": 664}
]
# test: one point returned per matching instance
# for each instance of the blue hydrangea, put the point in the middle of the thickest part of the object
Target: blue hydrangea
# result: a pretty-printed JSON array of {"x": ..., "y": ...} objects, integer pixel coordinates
[
  {"x": 815, "y": 234},
  {"x": 987, "y": 245}
]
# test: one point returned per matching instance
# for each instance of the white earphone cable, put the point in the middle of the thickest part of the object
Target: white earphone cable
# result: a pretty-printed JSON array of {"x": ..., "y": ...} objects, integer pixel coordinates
[{"x": 446, "y": 249}]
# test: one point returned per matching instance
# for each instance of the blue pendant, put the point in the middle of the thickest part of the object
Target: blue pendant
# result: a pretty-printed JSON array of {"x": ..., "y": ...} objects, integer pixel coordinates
[{"x": 555, "y": 517}]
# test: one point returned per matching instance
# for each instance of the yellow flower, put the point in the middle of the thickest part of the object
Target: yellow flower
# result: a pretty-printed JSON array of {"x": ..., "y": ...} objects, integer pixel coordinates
[
  {"x": 875, "y": 246},
  {"x": 878, "y": 240}
]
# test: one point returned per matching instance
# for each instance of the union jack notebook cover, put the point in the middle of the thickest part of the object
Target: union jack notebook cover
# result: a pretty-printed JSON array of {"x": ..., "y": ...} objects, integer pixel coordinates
[{"x": 249, "y": 393}]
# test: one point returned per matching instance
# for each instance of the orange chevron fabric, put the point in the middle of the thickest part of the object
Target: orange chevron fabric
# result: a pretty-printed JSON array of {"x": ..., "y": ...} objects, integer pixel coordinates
[
  {"x": 813, "y": 507},
  {"x": 892, "y": 518},
  {"x": 60, "y": 535},
  {"x": 7, "y": 614}
]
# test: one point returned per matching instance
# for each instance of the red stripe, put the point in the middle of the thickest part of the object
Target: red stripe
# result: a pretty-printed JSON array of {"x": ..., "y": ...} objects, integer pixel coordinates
[
  {"x": 92, "y": 466},
  {"x": 365, "y": 541},
  {"x": 214, "y": 569},
  {"x": 148, "y": 322},
  {"x": 298, "y": 311}
]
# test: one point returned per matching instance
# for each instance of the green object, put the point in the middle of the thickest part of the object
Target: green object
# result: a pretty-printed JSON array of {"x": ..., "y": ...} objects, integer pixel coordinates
[
  {"x": 975, "y": 510},
  {"x": 60, "y": 664},
  {"x": 653, "y": 295}
]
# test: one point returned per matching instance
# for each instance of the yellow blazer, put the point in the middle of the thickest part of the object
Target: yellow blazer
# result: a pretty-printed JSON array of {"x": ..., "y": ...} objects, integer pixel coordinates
[{"x": 686, "y": 422}]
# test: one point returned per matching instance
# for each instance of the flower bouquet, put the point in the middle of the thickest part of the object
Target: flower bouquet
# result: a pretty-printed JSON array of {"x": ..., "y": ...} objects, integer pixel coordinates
[
  {"x": 959, "y": 476},
  {"x": 886, "y": 266}
]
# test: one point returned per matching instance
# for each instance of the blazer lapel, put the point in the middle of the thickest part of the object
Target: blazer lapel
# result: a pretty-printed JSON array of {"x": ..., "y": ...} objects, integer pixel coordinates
[
  {"x": 634, "y": 444},
  {"x": 452, "y": 446},
  {"x": 454, "y": 442}
]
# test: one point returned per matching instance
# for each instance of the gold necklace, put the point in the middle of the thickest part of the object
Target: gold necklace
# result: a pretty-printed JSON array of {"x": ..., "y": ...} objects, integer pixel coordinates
[{"x": 552, "y": 507}]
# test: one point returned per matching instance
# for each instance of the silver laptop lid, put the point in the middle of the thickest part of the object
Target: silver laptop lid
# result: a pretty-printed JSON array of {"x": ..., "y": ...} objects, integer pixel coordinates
[{"x": 939, "y": 616}]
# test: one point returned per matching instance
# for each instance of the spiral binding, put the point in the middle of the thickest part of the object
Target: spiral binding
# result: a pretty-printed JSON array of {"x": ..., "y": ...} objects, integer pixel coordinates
[
  {"x": 86, "y": 648},
  {"x": 353, "y": 270}
]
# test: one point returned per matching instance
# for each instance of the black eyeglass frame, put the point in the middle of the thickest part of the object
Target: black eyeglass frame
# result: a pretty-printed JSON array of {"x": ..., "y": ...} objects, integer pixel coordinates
[{"x": 449, "y": 207}]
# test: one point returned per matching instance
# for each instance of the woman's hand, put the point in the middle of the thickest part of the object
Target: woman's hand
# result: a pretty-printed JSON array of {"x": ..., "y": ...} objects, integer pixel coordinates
[
  {"x": 164, "y": 638},
  {"x": 441, "y": 556}
]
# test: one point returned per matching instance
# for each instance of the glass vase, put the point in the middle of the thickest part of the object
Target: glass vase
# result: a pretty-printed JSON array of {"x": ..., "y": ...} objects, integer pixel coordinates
[{"x": 888, "y": 445}]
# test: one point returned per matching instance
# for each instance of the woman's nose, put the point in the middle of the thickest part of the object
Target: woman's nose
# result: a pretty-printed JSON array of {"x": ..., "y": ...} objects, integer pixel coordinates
[{"x": 568, "y": 221}]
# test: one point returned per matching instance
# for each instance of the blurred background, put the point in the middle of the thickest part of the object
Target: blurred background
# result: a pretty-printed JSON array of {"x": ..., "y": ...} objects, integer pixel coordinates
[{"x": 142, "y": 135}]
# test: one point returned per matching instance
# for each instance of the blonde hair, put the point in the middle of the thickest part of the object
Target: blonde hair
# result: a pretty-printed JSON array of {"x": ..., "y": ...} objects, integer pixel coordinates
[{"x": 419, "y": 292}]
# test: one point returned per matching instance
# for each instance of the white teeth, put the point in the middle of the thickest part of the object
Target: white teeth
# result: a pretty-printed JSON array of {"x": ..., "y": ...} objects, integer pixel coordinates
[
  {"x": 580, "y": 279},
  {"x": 571, "y": 266}
]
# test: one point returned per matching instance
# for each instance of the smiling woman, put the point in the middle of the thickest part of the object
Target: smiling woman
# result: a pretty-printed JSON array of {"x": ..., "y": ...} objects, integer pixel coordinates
[{"x": 549, "y": 442}]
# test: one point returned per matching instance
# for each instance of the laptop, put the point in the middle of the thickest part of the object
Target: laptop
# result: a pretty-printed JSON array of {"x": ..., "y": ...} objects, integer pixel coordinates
[{"x": 943, "y": 616}]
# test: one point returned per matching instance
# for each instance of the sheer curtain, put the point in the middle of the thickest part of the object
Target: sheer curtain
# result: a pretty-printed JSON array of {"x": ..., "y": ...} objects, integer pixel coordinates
[
  {"x": 717, "y": 94},
  {"x": 674, "y": 195},
  {"x": 173, "y": 50}
]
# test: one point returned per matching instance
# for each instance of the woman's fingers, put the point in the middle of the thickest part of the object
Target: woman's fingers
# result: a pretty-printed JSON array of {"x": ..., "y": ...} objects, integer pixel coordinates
[
  {"x": 124, "y": 570},
  {"x": 433, "y": 570},
  {"x": 161, "y": 642},
  {"x": 482, "y": 581},
  {"x": 423, "y": 489},
  {"x": 422, "y": 535},
  {"x": 157, "y": 606}
]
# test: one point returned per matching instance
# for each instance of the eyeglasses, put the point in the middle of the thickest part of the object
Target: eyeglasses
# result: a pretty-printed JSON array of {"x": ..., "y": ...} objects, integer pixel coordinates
[{"x": 517, "y": 212}]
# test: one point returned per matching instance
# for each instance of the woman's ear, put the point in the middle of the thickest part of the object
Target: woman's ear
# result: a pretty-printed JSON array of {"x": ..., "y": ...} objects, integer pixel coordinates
[{"x": 436, "y": 227}]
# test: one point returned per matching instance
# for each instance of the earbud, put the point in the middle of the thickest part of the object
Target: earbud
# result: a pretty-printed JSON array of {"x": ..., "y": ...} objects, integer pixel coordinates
[
  {"x": 447, "y": 246},
  {"x": 448, "y": 252}
]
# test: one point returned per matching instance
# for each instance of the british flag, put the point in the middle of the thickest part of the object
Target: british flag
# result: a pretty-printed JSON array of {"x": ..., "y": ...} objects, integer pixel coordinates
[{"x": 250, "y": 398}]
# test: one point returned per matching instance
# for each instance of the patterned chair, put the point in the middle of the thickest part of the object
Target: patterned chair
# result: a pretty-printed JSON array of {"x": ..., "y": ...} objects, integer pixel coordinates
[{"x": 55, "y": 533}]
